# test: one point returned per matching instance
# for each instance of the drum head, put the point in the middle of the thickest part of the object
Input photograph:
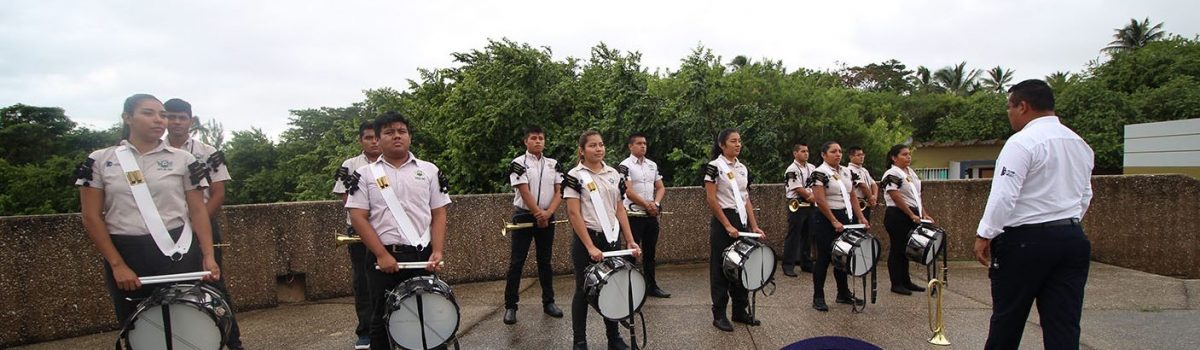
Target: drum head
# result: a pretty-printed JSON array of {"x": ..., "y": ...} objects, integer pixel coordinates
[
  {"x": 758, "y": 268},
  {"x": 614, "y": 297},
  {"x": 440, "y": 320},
  {"x": 863, "y": 257},
  {"x": 191, "y": 328}
]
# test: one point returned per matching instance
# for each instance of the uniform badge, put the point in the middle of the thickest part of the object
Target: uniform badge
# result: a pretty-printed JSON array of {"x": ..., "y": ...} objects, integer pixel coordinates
[
  {"x": 730, "y": 175},
  {"x": 382, "y": 182},
  {"x": 165, "y": 165},
  {"x": 420, "y": 175},
  {"x": 135, "y": 177},
  {"x": 591, "y": 186}
]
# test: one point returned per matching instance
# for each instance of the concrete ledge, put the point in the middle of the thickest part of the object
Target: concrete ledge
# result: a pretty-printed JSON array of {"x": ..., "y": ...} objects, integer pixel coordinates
[{"x": 51, "y": 284}]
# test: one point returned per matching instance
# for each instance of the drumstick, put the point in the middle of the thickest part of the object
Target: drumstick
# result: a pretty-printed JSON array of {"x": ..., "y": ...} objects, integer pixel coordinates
[
  {"x": 855, "y": 226},
  {"x": 413, "y": 265},
  {"x": 179, "y": 277},
  {"x": 642, "y": 213},
  {"x": 927, "y": 221},
  {"x": 613, "y": 253},
  {"x": 749, "y": 234}
]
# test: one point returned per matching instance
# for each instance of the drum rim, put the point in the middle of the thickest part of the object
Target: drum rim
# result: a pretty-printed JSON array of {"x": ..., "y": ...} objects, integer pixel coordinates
[
  {"x": 223, "y": 328},
  {"x": 391, "y": 294},
  {"x": 836, "y": 258},
  {"x": 593, "y": 294},
  {"x": 737, "y": 276}
]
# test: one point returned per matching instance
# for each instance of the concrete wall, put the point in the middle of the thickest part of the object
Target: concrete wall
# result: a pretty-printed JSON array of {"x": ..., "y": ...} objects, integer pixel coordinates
[{"x": 51, "y": 285}]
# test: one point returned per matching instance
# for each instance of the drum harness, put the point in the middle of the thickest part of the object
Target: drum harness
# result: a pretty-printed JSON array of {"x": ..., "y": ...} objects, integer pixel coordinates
[
  {"x": 159, "y": 298},
  {"x": 770, "y": 282}
]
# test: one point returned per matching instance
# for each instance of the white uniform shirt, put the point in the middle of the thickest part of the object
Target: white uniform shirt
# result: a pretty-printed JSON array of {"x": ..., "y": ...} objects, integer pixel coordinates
[
  {"x": 607, "y": 184},
  {"x": 825, "y": 176},
  {"x": 903, "y": 180},
  {"x": 348, "y": 166},
  {"x": 740, "y": 175},
  {"x": 418, "y": 185},
  {"x": 218, "y": 169},
  {"x": 1044, "y": 173},
  {"x": 540, "y": 173},
  {"x": 796, "y": 176},
  {"x": 167, "y": 174},
  {"x": 642, "y": 174},
  {"x": 864, "y": 177}
]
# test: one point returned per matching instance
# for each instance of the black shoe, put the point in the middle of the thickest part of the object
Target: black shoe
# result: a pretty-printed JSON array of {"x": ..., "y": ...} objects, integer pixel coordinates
[
  {"x": 723, "y": 324},
  {"x": 580, "y": 346},
  {"x": 819, "y": 304},
  {"x": 806, "y": 267},
  {"x": 789, "y": 272},
  {"x": 746, "y": 319},
  {"x": 658, "y": 293},
  {"x": 849, "y": 300},
  {"x": 510, "y": 316},
  {"x": 552, "y": 310},
  {"x": 914, "y": 287},
  {"x": 617, "y": 344},
  {"x": 901, "y": 290}
]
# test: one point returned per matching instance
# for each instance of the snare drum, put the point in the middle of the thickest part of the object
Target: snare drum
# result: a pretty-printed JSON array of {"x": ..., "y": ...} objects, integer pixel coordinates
[
  {"x": 422, "y": 313},
  {"x": 749, "y": 262},
  {"x": 611, "y": 285},
  {"x": 855, "y": 252},
  {"x": 199, "y": 319},
  {"x": 925, "y": 242}
]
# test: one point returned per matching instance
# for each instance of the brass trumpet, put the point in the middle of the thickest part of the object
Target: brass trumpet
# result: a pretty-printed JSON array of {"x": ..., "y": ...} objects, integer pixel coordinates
[
  {"x": 937, "y": 322},
  {"x": 509, "y": 227},
  {"x": 345, "y": 239},
  {"x": 642, "y": 213}
]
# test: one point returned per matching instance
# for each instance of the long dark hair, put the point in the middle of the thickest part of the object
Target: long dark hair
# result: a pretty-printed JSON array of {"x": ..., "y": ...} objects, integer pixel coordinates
[
  {"x": 720, "y": 140},
  {"x": 894, "y": 152},
  {"x": 583, "y": 143},
  {"x": 131, "y": 103}
]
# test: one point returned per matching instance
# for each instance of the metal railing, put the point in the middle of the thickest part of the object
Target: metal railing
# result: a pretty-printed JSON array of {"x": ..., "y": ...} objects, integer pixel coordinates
[{"x": 933, "y": 173}]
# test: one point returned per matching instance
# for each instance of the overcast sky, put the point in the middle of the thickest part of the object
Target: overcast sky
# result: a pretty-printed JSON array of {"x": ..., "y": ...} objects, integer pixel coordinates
[{"x": 247, "y": 63}]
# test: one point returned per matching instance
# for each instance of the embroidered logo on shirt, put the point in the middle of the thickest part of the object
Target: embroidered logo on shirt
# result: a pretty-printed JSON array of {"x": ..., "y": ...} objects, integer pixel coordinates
[
  {"x": 420, "y": 175},
  {"x": 1005, "y": 172},
  {"x": 166, "y": 165}
]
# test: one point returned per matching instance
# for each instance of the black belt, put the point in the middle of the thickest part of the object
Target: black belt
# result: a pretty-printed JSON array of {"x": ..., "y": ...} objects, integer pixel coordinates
[
  {"x": 1047, "y": 224},
  {"x": 400, "y": 248}
]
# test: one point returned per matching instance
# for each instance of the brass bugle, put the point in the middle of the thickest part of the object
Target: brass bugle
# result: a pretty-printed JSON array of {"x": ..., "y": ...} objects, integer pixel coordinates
[
  {"x": 643, "y": 213},
  {"x": 937, "y": 322},
  {"x": 509, "y": 227},
  {"x": 344, "y": 239}
]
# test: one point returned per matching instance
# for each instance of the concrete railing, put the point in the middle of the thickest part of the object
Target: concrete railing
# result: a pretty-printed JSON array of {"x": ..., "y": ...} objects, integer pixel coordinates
[{"x": 51, "y": 285}]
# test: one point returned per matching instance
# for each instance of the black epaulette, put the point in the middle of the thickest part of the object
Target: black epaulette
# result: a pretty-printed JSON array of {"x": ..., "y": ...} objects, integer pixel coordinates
[
  {"x": 216, "y": 160},
  {"x": 854, "y": 176},
  {"x": 893, "y": 180},
  {"x": 816, "y": 177},
  {"x": 341, "y": 173},
  {"x": 749, "y": 180},
  {"x": 443, "y": 182},
  {"x": 711, "y": 171},
  {"x": 84, "y": 171},
  {"x": 624, "y": 170},
  {"x": 572, "y": 183},
  {"x": 558, "y": 167},
  {"x": 350, "y": 182},
  {"x": 198, "y": 171},
  {"x": 516, "y": 168},
  {"x": 790, "y": 176},
  {"x": 621, "y": 187}
]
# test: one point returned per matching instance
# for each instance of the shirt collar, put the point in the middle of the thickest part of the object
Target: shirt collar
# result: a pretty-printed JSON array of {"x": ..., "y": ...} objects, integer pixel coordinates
[
  {"x": 162, "y": 146},
  {"x": 735, "y": 161},
  {"x": 530, "y": 156},
  {"x": 1042, "y": 120},
  {"x": 603, "y": 170},
  {"x": 411, "y": 159}
]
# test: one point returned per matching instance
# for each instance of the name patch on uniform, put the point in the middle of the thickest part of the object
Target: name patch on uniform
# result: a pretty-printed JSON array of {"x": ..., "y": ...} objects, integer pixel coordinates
[{"x": 135, "y": 177}]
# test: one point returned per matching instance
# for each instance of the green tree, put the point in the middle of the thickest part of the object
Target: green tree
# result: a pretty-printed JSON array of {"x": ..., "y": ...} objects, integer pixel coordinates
[
  {"x": 29, "y": 133},
  {"x": 956, "y": 79},
  {"x": 1134, "y": 35},
  {"x": 997, "y": 79},
  {"x": 889, "y": 75}
]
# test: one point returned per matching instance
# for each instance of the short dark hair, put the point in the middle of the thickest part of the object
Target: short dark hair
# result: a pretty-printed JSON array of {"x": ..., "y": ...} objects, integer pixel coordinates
[
  {"x": 178, "y": 105},
  {"x": 389, "y": 118},
  {"x": 796, "y": 146},
  {"x": 853, "y": 149},
  {"x": 1035, "y": 92},
  {"x": 364, "y": 126},
  {"x": 635, "y": 135},
  {"x": 825, "y": 146},
  {"x": 533, "y": 129}
]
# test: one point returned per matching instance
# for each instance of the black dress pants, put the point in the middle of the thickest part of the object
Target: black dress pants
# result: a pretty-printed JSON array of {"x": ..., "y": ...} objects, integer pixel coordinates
[
  {"x": 797, "y": 247},
  {"x": 519, "y": 250},
  {"x": 235, "y": 334},
  {"x": 898, "y": 228},
  {"x": 579, "y": 304},
  {"x": 141, "y": 255},
  {"x": 380, "y": 283},
  {"x": 358, "y": 279},
  {"x": 645, "y": 233},
  {"x": 1047, "y": 265},
  {"x": 721, "y": 287},
  {"x": 823, "y": 236}
]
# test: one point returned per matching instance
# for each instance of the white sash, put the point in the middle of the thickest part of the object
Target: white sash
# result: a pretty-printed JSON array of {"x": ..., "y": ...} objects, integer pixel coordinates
[
  {"x": 733, "y": 185},
  {"x": 916, "y": 194},
  {"x": 393, "y": 203},
  {"x": 150, "y": 215},
  {"x": 845, "y": 195},
  {"x": 606, "y": 221}
]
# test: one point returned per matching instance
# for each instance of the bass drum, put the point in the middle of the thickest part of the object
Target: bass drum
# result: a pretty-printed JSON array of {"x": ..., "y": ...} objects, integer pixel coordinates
[{"x": 422, "y": 313}]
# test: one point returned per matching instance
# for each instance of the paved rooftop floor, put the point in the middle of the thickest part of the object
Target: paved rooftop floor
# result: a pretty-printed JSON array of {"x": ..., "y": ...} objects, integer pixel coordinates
[{"x": 1123, "y": 309}]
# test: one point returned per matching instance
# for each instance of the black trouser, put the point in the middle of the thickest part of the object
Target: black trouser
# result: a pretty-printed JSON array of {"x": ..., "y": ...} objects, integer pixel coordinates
[
  {"x": 645, "y": 233},
  {"x": 141, "y": 255},
  {"x": 380, "y": 283},
  {"x": 898, "y": 227},
  {"x": 362, "y": 294},
  {"x": 579, "y": 304},
  {"x": 1049, "y": 265},
  {"x": 721, "y": 287},
  {"x": 520, "y": 250},
  {"x": 235, "y": 334},
  {"x": 799, "y": 240},
  {"x": 823, "y": 236}
]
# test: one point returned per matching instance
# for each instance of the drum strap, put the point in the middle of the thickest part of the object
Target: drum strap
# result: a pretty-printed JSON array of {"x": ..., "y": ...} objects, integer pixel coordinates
[
  {"x": 845, "y": 195},
  {"x": 393, "y": 203},
  {"x": 166, "y": 316},
  {"x": 731, "y": 178},
  {"x": 915, "y": 192},
  {"x": 607, "y": 222},
  {"x": 150, "y": 215}
]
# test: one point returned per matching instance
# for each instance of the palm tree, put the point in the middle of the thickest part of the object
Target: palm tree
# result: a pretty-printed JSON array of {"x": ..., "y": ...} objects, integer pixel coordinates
[
  {"x": 1134, "y": 36},
  {"x": 956, "y": 79},
  {"x": 997, "y": 79},
  {"x": 922, "y": 80},
  {"x": 1059, "y": 80}
]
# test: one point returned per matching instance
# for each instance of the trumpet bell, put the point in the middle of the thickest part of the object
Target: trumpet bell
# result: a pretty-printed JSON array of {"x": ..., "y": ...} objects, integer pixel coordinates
[{"x": 793, "y": 205}]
